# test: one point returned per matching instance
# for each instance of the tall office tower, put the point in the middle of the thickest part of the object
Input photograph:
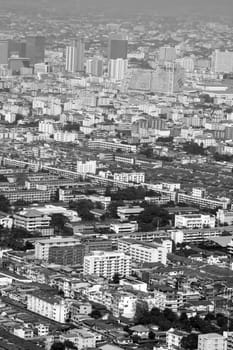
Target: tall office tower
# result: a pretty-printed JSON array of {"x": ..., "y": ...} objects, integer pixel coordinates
[
  {"x": 117, "y": 69},
  {"x": 16, "y": 48},
  {"x": 75, "y": 56},
  {"x": 167, "y": 53},
  {"x": 188, "y": 63},
  {"x": 118, "y": 47},
  {"x": 222, "y": 61},
  {"x": 3, "y": 52},
  {"x": 168, "y": 78},
  {"x": 35, "y": 49},
  {"x": 94, "y": 67}
]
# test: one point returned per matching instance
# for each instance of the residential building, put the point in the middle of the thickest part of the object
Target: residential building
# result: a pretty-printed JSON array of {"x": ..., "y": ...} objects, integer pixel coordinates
[
  {"x": 29, "y": 196},
  {"x": 86, "y": 167},
  {"x": 6, "y": 220},
  {"x": 143, "y": 252},
  {"x": 95, "y": 67},
  {"x": 174, "y": 338},
  {"x": 42, "y": 247},
  {"x": 75, "y": 56},
  {"x": 48, "y": 305},
  {"x": 117, "y": 69},
  {"x": 112, "y": 146},
  {"x": 138, "y": 178},
  {"x": 81, "y": 338},
  {"x": 107, "y": 264},
  {"x": 213, "y": 341},
  {"x": 66, "y": 255},
  {"x": 224, "y": 217}
]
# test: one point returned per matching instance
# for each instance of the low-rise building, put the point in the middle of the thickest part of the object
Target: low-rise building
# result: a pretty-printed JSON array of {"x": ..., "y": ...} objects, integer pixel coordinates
[
  {"x": 174, "y": 338},
  {"x": 194, "y": 221},
  {"x": 124, "y": 227},
  {"x": 126, "y": 212},
  {"x": 31, "y": 220}
]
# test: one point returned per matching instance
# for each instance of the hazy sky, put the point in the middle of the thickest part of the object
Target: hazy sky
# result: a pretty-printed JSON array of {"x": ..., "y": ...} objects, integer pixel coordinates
[
  {"x": 168, "y": 6},
  {"x": 206, "y": 7}
]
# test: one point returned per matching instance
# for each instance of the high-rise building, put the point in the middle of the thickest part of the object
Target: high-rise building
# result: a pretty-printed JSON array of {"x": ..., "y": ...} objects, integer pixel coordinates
[
  {"x": 117, "y": 69},
  {"x": 17, "y": 63},
  {"x": 168, "y": 78},
  {"x": 211, "y": 341},
  {"x": 118, "y": 47},
  {"x": 107, "y": 264},
  {"x": 222, "y": 61},
  {"x": 167, "y": 53},
  {"x": 3, "y": 52},
  {"x": 35, "y": 49},
  {"x": 16, "y": 48},
  {"x": 75, "y": 56},
  {"x": 94, "y": 67}
]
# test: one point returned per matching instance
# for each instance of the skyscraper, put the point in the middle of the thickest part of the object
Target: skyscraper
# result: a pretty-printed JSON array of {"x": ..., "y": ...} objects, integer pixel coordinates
[
  {"x": 118, "y": 47},
  {"x": 168, "y": 78},
  {"x": 16, "y": 48},
  {"x": 117, "y": 69},
  {"x": 3, "y": 52},
  {"x": 35, "y": 49},
  {"x": 94, "y": 67},
  {"x": 167, "y": 53},
  {"x": 75, "y": 56}
]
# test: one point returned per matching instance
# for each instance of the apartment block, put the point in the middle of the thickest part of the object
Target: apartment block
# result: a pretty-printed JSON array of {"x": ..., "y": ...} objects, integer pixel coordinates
[
  {"x": 143, "y": 252},
  {"x": 211, "y": 341},
  {"x": 107, "y": 264},
  {"x": 51, "y": 306},
  {"x": 43, "y": 246}
]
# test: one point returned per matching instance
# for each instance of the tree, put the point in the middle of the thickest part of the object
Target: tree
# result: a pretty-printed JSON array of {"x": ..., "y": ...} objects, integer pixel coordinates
[
  {"x": 4, "y": 204},
  {"x": 142, "y": 314},
  {"x": 116, "y": 278},
  {"x": 112, "y": 208},
  {"x": 83, "y": 208},
  {"x": 58, "y": 221},
  {"x": 3, "y": 178},
  {"x": 96, "y": 314},
  {"x": 170, "y": 315},
  {"x": 153, "y": 217},
  {"x": 69, "y": 345},
  {"x": 190, "y": 342},
  {"x": 58, "y": 346},
  {"x": 193, "y": 148}
]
